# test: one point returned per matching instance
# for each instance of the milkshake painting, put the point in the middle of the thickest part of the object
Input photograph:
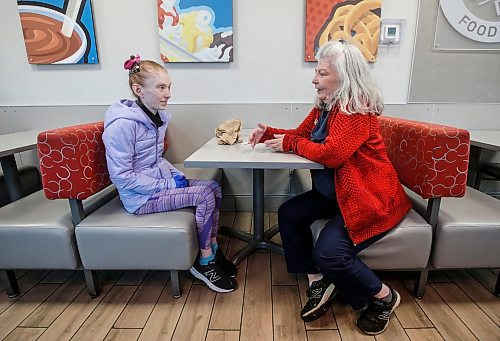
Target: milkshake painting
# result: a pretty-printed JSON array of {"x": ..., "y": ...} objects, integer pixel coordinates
[
  {"x": 195, "y": 30},
  {"x": 58, "y": 31}
]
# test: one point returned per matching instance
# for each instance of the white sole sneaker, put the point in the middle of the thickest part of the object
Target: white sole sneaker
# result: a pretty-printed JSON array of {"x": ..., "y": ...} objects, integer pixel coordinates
[{"x": 325, "y": 302}]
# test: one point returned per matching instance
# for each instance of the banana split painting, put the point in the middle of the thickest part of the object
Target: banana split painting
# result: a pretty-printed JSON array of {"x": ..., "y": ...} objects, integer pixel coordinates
[
  {"x": 58, "y": 31},
  {"x": 195, "y": 30}
]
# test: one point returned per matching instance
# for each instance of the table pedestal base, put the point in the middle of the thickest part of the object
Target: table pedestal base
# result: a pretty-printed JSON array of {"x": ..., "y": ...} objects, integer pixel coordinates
[
  {"x": 253, "y": 244},
  {"x": 259, "y": 239}
]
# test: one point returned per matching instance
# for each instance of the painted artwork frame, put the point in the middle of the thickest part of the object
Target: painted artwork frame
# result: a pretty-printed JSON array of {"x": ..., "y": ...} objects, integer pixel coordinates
[
  {"x": 355, "y": 21},
  {"x": 58, "y": 31},
  {"x": 195, "y": 30}
]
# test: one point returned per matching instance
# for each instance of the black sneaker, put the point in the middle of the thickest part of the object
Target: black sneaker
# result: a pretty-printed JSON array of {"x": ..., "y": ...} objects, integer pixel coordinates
[
  {"x": 228, "y": 267},
  {"x": 213, "y": 276},
  {"x": 375, "y": 319},
  {"x": 321, "y": 294}
]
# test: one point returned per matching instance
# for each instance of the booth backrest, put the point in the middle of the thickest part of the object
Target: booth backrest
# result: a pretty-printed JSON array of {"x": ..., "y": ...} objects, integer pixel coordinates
[
  {"x": 430, "y": 159},
  {"x": 73, "y": 161}
]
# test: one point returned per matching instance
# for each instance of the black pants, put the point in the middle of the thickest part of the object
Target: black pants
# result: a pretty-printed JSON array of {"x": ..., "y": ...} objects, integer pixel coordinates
[{"x": 334, "y": 254}]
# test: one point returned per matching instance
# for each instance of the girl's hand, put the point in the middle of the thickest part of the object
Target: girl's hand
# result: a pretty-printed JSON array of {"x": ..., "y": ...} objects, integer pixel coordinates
[
  {"x": 276, "y": 143},
  {"x": 257, "y": 134}
]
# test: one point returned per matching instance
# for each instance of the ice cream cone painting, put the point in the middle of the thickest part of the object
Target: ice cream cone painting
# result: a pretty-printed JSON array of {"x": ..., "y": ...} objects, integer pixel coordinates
[
  {"x": 58, "y": 31},
  {"x": 356, "y": 21},
  {"x": 196, "y": 30}
]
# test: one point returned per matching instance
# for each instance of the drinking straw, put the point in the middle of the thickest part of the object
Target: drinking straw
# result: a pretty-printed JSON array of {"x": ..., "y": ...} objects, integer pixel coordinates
[{"x": 70, "y": 18}]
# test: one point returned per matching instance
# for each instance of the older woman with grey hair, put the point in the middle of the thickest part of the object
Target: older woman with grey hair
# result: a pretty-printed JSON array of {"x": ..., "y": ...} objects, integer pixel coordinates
[{"x": 358, "y": 190}]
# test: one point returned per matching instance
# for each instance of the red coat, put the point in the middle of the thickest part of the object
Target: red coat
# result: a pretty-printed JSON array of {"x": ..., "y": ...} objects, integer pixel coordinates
[{"x": 370, "y": 196}]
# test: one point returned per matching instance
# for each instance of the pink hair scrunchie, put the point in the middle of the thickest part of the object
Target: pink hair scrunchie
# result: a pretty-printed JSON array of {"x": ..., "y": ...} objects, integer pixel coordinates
[{"x": 133, "y": 64}]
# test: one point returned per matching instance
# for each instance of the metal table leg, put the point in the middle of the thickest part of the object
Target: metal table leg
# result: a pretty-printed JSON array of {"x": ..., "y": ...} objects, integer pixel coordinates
[
  {"x": 11, "y": 175},
  {"x": 259, "y": 239}
]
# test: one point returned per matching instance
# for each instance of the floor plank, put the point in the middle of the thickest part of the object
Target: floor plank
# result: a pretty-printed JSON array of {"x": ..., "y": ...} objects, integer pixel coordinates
[
  {"x": 473, "y": 317},
  {"x": 26, "y": 282},
  {"x": 273, "y": 220},
  {"x": 132, "y": 277},
  {"x": 266, "y": 306},
  {"x": 24, "y": 334},
  {"x": 70, "y": 320},
  {"x": 442, "y": 316},
  {"x": 484, "y": 276},
  {"x": 15, "y": 314},
  {"x": 123, "y": 334},
  {"x": 243, "y": 221},
  {"x": 165, "y": 315},
  {"x": 257, "y": 305},
  {"x": 323, "y": 335},
  {"x": 487, "y": 301},
  {"x": 136, "y": 313},
  {"x": 280, "y": 276},
  {"x": 428, "y": 334},
  {"x": 193, "y": 323},
  {"x": 49, "y": 310},
  {"x": 288, "y": 326},
  {"x": 98, "y": 324},
  {"x": 58, "y": 276},
  {"x": 438, "y": 277},
  {"x": 409, "y": 312},
  {"x": 223, "y": 335},
  {"x": 228, "y": 307}
]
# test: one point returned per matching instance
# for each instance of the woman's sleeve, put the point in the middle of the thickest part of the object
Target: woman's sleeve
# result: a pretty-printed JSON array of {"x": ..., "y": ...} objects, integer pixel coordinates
[
  {"x": 346, "y": 135},
  {"x": 119, "y": 140},
  {"x": 303, "y": 130}
]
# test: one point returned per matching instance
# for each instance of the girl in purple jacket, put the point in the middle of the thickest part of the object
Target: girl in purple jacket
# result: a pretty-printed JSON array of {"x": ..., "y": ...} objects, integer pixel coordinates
[{"x": 147, "y": 183}]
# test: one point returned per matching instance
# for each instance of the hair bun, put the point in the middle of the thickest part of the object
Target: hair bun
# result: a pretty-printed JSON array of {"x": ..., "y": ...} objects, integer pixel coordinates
[{"x": 132, "y": 64}]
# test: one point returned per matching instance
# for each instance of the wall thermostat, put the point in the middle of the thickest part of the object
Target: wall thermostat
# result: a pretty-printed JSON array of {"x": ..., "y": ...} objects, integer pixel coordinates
[{"x": 391, "y": 31}]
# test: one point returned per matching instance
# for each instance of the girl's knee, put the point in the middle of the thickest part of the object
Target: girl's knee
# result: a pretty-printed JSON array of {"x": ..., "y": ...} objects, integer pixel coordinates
[{"x": 204, "y": 195}]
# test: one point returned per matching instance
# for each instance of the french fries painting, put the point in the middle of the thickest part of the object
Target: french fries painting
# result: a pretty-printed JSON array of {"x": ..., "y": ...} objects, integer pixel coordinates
[{"x": 355, "y": 21}]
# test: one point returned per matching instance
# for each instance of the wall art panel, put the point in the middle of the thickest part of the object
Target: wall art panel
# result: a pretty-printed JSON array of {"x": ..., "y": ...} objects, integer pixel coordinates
[
  {"x": 58, "y": 31},
  {"x": 196, "y": 30}
]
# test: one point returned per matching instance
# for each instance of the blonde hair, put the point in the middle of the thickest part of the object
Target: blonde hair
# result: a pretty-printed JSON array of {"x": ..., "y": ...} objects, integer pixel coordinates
[
  {"x": 357, "y": 92},
  {"x": 146, "y": 69}
]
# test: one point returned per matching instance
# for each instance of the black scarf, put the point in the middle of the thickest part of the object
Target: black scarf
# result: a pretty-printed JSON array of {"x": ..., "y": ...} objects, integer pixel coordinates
[{"x": 155, "y": 118}]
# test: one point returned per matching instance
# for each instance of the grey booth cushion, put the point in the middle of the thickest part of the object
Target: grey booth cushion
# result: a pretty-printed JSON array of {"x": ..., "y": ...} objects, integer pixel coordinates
[
  {"x": 37, "y": 233},
  {"x": 407, "y": 246},
  {"x": 468, "y": 232},
  {"x": 112, "y": 238}
]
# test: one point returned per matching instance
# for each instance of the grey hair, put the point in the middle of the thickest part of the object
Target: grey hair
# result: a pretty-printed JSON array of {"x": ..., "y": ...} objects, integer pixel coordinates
[{"x": 357, "y": 92}]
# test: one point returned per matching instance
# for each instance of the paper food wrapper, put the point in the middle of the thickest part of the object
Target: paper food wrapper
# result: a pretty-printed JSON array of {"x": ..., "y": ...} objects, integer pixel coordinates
[{"x": 228, "y": 132}]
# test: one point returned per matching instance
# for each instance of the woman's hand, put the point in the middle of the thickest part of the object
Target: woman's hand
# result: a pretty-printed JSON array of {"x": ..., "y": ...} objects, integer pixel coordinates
[
  {"x": 257, "y": 134},
  {"x": 276, "y": 143}
]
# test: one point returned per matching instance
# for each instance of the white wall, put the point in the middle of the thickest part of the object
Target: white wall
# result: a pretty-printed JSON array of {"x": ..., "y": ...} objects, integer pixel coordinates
[
  {"x": 268, "y": 54},
  {"x": 268, "y": 81}
]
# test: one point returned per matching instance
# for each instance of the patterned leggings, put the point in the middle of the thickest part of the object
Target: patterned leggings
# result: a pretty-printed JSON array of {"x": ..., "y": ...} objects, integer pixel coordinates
[{"x": 205, "y": 195}]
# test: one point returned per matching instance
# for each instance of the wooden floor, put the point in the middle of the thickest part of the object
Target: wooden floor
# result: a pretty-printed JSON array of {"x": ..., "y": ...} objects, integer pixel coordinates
[{"x": 137, "y": 305}]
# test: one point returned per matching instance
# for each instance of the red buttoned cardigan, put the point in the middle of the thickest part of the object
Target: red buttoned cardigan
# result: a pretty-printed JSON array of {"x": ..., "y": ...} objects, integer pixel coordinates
[{"x": 369, "y": 194}]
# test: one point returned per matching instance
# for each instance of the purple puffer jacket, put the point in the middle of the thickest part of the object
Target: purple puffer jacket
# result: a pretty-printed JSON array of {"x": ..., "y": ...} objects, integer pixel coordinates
[{"x": 134, "y": 149}]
